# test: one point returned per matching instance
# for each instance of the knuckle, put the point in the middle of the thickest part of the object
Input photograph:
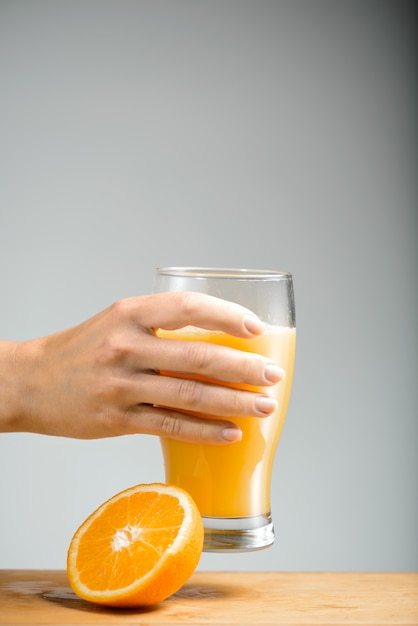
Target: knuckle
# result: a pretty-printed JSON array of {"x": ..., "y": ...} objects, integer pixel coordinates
[
  {"x": 189, "y": 393},
  {"x": 186, "y": 428},
  {"x": 202, "y": 428},
  {"x": 251, "y": 366},
  {"x": 198, "y": 355},
  {"x": 109, "y": 390},
  {"x": 113, "y": 349},
  {"x": 236, "y": 403},
  {"x": 247, "y": 367},
  {"x": 189, "y": 302},
  {"x": 171, "y": 426},
  {"x": 119, "y": 308},
  {"x": 110, "y": 423}
]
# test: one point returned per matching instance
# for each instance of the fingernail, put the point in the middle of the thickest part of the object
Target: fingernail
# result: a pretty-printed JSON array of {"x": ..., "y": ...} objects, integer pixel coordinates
[
  {"x": 232, "y": 434},
  {"x": 273, "y": 373},
  {"x": 265, "y": 404},
  {"x": 253, "y": 324}
]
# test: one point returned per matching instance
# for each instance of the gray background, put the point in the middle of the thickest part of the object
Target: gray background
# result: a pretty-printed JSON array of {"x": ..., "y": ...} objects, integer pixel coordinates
[{"x": 269, "y": 134}]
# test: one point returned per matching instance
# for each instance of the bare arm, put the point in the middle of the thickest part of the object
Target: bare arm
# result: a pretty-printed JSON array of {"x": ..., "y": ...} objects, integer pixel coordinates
[{"x": 102, "y": 378}]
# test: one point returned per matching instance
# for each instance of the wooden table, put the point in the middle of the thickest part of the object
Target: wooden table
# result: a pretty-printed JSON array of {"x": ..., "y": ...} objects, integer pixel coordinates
[{"x": 256, "y": 598}]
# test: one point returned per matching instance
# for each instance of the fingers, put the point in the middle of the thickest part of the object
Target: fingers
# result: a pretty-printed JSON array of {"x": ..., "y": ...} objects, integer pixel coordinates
[
  {"x": 176, "y": 310},
  {"x": 209, "y": 360},
  {"x": 166, "y": 399},
  {"x": 146, "y": 419},
  {"x": 201, "y": 397}
]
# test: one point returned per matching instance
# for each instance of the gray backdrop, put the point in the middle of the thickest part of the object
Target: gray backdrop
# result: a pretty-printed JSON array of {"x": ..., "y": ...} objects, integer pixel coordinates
[{"x": 270, "y": 134}]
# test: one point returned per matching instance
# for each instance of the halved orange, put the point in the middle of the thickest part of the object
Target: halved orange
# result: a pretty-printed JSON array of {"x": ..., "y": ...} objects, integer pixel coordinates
[{"x": 138, "y": 548}]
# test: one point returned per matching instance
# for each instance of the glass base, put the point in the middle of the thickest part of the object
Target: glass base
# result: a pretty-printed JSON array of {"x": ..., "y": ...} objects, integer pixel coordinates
[{"x": 238, "y": 534}]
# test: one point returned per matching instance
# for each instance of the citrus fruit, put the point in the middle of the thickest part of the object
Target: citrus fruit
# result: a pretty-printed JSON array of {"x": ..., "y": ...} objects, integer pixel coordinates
[{"x": 137, "y": 548}]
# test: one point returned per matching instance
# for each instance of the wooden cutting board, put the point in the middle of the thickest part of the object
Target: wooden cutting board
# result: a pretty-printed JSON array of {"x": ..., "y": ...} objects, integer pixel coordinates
[{"x": 211, "y": 598}]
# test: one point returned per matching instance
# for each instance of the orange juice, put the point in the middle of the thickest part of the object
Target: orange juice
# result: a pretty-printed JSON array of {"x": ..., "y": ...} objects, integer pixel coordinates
[{"x": 234, "y": 480}]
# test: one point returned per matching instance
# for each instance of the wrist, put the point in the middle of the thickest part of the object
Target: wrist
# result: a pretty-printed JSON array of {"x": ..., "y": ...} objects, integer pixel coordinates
[{"x": 17, "y": 368}]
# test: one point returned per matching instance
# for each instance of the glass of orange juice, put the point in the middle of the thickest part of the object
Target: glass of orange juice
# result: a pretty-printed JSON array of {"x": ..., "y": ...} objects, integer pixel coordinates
[{"x": 231, "y": 484}]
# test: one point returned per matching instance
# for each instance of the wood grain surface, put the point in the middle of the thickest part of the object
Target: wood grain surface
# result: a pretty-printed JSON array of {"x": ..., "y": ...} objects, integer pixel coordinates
[{"x": 256, "y": 598}]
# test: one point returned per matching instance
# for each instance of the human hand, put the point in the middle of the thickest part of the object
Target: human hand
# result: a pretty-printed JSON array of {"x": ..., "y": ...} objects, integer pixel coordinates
[{"x": 103, "y": 377}]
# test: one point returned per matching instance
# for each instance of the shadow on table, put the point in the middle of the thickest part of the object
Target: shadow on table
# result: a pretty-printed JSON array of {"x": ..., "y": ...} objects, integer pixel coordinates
[{"x": 65, "y": 597}]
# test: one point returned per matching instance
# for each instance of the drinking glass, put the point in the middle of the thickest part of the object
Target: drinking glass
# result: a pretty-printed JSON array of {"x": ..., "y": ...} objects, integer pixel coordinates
[{"x": 231, "y": 484}]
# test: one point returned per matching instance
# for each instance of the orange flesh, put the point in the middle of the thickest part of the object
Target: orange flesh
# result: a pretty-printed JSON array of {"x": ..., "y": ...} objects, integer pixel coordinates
[{"x": 129, "y": 537}]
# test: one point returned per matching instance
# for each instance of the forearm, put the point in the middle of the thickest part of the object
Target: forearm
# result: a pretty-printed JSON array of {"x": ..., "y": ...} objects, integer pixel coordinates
[{"x": 15, "y": 385}]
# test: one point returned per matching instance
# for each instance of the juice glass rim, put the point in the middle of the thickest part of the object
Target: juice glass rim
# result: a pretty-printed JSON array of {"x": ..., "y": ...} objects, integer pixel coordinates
[{"x": 224, "y": 273}]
